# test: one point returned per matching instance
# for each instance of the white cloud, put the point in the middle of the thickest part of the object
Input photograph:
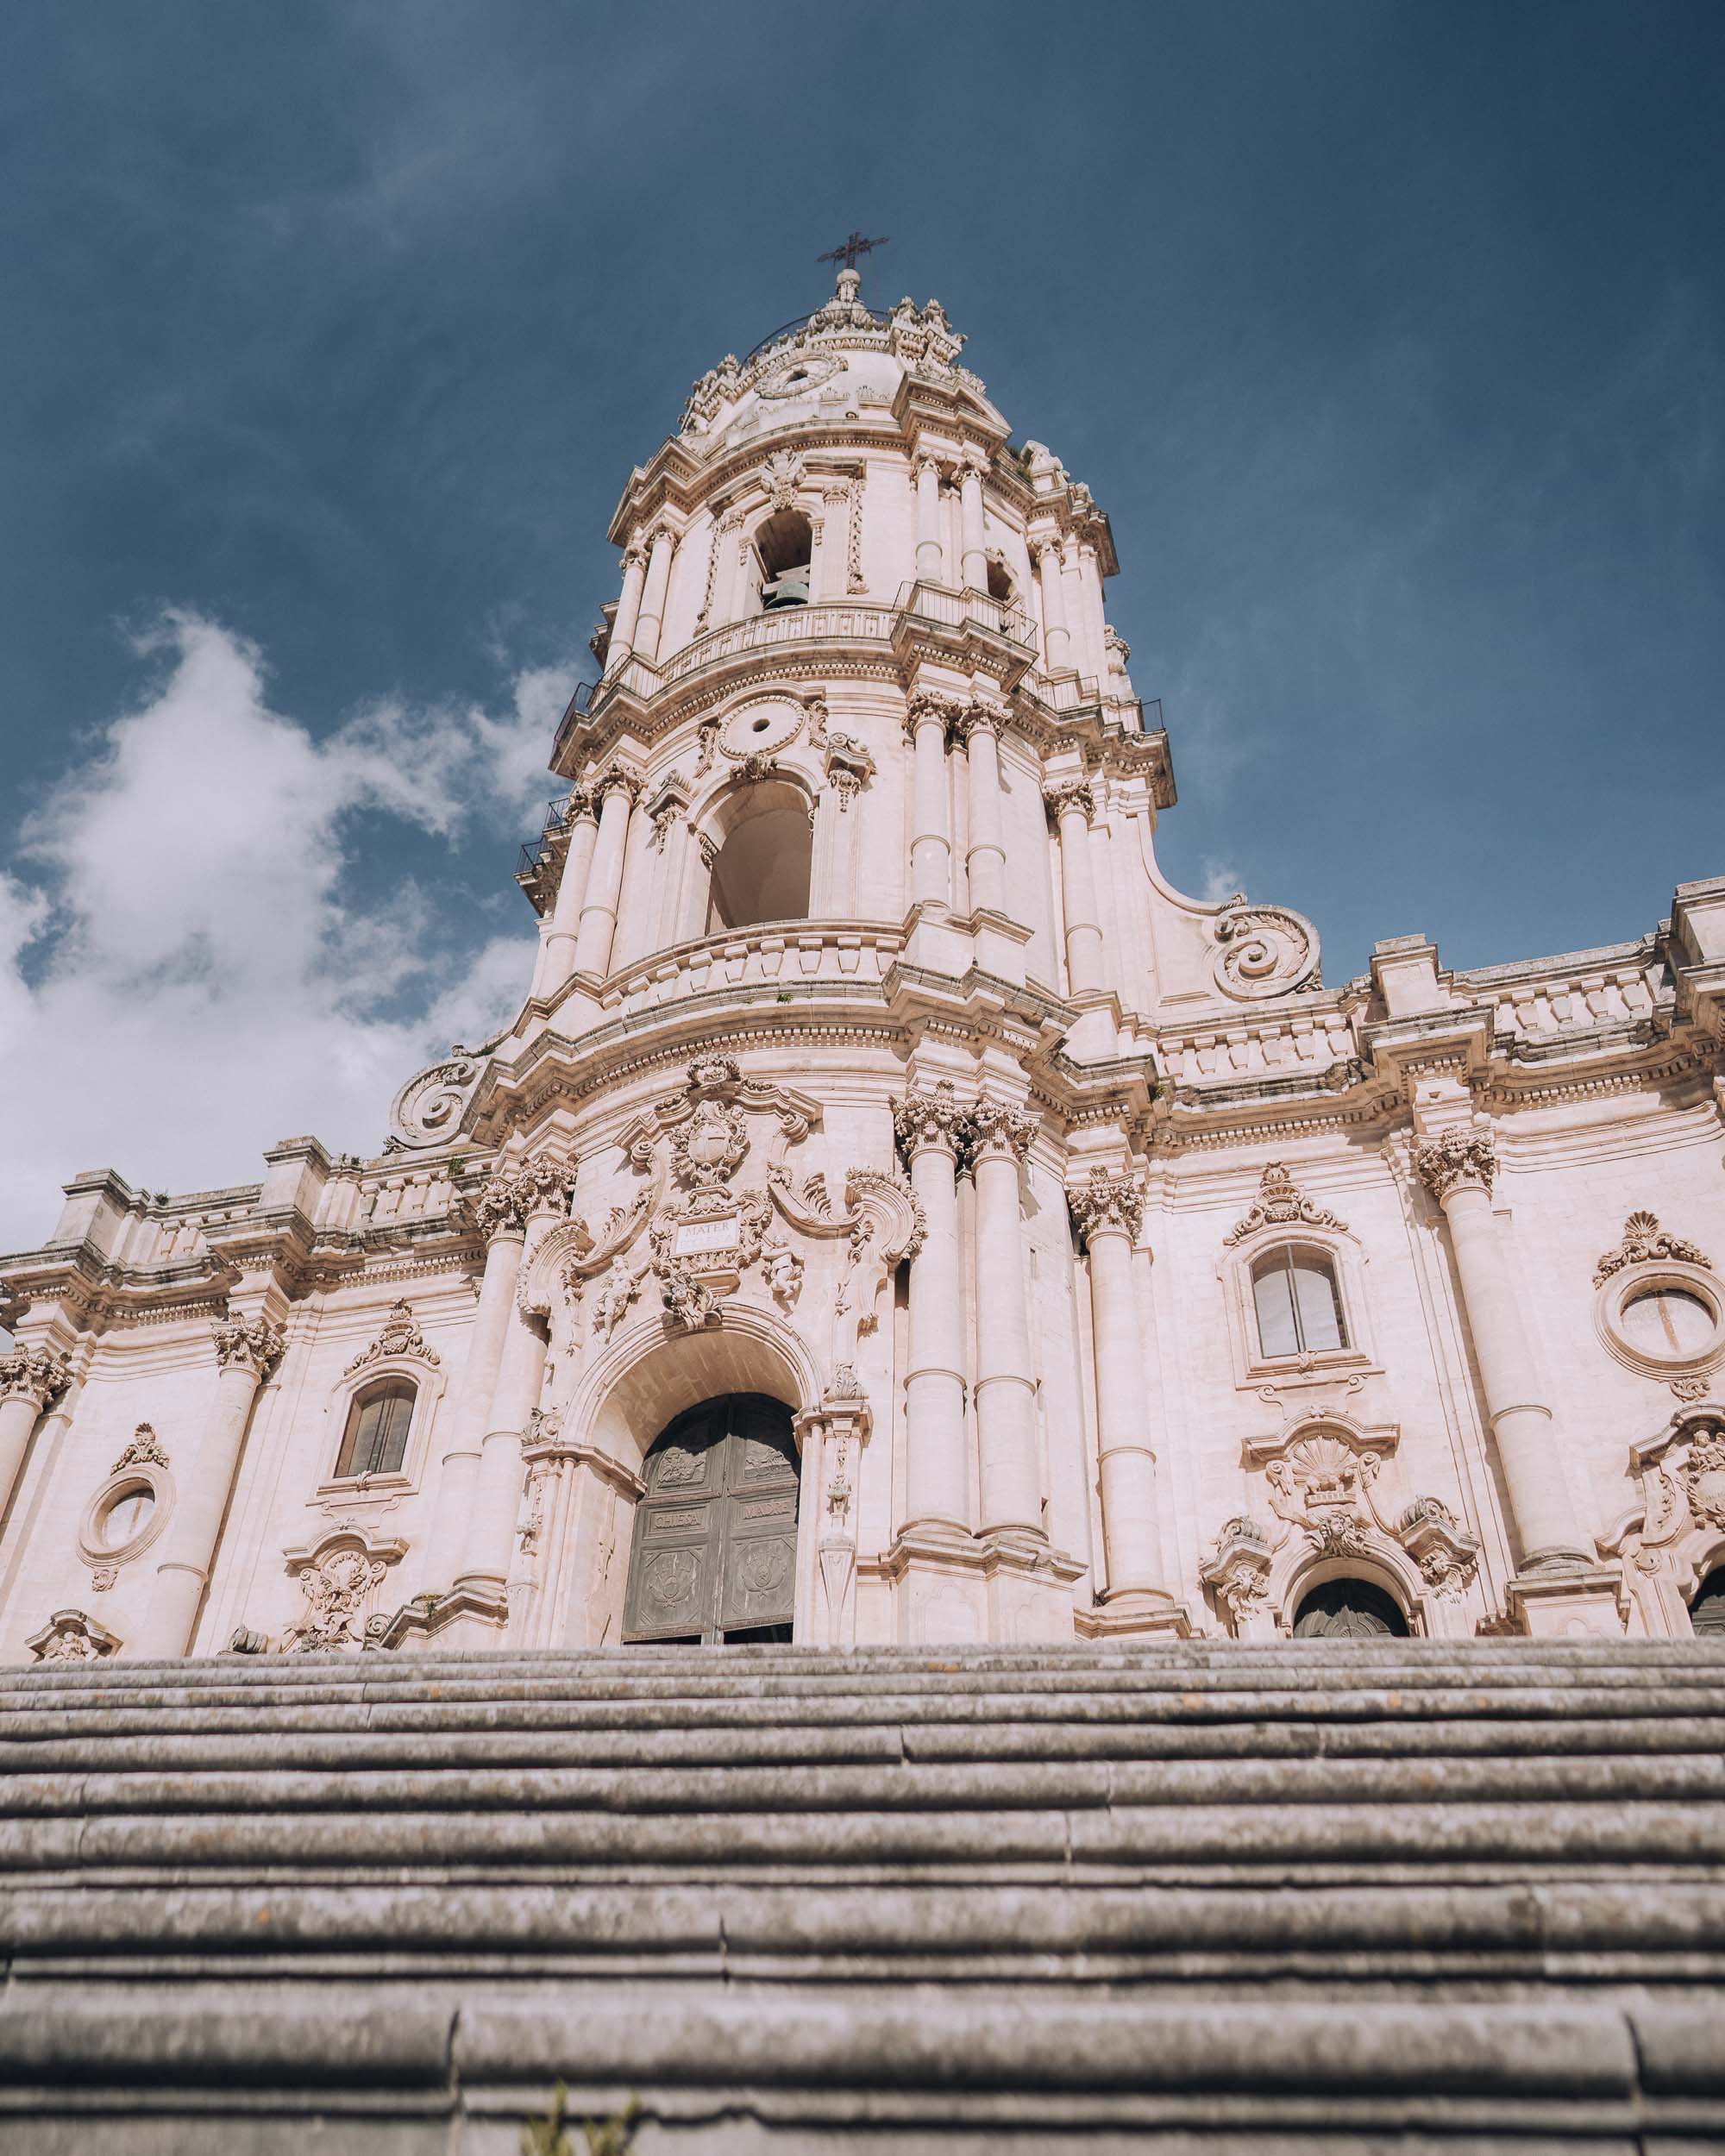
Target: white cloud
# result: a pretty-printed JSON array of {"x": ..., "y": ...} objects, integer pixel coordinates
[
  {"x": 188, "y": 968},
  {"x": 1221, "y": 880}
]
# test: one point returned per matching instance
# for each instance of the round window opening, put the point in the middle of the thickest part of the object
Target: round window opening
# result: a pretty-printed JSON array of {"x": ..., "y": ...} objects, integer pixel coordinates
[
  {"x": 1668, "y": 1322},
  {"x": 125, "y": 1516}
]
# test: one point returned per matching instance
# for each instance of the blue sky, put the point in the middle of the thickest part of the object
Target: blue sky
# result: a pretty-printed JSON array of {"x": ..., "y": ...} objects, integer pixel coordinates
[{"x": 1389, "y": 336}]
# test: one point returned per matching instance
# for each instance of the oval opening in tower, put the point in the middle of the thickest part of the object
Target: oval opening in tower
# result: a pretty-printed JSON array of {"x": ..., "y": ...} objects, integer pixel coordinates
[{"x": 785, "y": 547}]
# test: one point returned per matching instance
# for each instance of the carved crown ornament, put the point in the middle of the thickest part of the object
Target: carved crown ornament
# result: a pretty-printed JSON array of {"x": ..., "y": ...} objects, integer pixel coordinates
[
  {"x": 706, "y": 1225},
  {"x": 1644, "y": 1241},
  {"x": 398, "y": 1336},
  {"x": 1281, "y": 1203}
]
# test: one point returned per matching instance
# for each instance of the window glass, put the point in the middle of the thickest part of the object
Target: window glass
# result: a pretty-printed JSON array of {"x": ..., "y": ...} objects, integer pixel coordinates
[
  {"x": 125, "y": 1517},
  {"x": 1707, "y": 1611},
  {"x": 376, "y": 1441},
  {"x": 1299, "y": 1303},
  {"x": 1668, "y": 1321}
]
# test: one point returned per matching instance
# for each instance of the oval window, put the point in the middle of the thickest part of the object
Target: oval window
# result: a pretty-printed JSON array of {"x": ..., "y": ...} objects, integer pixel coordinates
[
  {"x": 1668, "y": 1321},
  {"x": 124, "y": 1517}
]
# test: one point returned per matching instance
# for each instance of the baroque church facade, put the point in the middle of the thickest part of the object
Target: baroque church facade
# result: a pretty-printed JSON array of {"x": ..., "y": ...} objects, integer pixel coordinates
[{"x": 898, "y": 1217}]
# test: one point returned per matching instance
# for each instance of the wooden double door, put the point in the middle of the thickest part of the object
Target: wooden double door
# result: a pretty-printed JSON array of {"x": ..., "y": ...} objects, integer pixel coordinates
[{"x": 714, "y": 1555}]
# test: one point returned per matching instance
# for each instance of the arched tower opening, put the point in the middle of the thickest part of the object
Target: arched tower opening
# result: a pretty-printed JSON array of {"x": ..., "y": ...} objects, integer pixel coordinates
[
  {"x": 784, "y": 551},
  {"x": 762, "y": 869}
]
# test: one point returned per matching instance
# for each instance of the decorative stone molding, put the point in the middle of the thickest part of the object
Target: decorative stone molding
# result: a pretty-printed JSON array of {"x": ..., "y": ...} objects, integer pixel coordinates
[
  {"x": 784, "y": 1272},
  {"x": 430, "y": 1107},
  {"x": 339, "y": 1576},
  {"x": 1446, "y": 1554},
  {"x": 996, "y": 1129},
  {"x": 1238, "y": 1574},
  {"x": 1644, "y": 1239},
  {"x": 1108, "y": 1202},
  {"x": 71, "y": 1636},
  {"x": 1674, "y": 1536},
  {"x": 690, "y": 1304},
  {"x": 34, "y": 1374},
  {"x": 1464, "y": 1155},
  {"x": 620, "y": 777},
  {"x": 252, "y": 1344},
  {"x": 979, "y": 718},
  {"x": 399, "y": 1336},
  {"x": 1281, "y": 1203},
  {"x": 502, "y": 1207},
  {"x": 849, "y": 766},
  {"x": 142, "y": 1466},
  {"x": 780, "y": 476},
  {"x": 1264, "y": 951},
  {"x": 931, "y": 1116},
  {"x": 927, "y": 704},
  {"x": 144, "y": 1450}
]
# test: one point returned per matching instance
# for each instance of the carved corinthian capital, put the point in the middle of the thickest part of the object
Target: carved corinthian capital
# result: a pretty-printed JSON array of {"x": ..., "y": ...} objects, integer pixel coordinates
[
  {"x": 931, "y": 1118},
  {"x": 927, "y": 706},
  {"x": 501, "y": 1207},
  {"x": 1458, "y": 1157},
  {"x": 249, "y": 1343},
  {"x": 1062, "y": 794},
  {"x": 33, "y": 1374},
  {"x": 996, "y": 1130},
  {"x": 1108, "y": 1204}
]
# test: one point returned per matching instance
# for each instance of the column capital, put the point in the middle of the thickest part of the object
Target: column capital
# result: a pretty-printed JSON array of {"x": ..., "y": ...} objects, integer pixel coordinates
[
  {"x": 34, "y": 1374},
  {"x": 930, "y": 706},
  {"x": 998, "y": 1130},
  {"x": 503, "y": 1206},
  {"x": 931, "y": 1118},
  {"x": 1064, "y": 794},
  {"x": 1462, "y": 1156},
  {"x": 249, "y": 1343},
  {"x": 619, "y": 775},
  {"x": 634, "y": 554},
  {"x": 979, "y": 716},
  {"x": 925, "y": 462},
  {"x": 1041, "y": 547},
  {"x": 1108, "y": 1202}
]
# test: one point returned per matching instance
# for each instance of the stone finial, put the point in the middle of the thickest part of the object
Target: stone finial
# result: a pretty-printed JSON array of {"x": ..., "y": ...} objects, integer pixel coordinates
[
  {"x": 1107, "y": 1203},
  {"x": 931, "y": 1118},
  {"x": 1281, "y": 1203},
  {"x": 1644, "y": 1239},
  {"x": 249, "y": 1343},
  {"x": 34, "y": 1374},
  {"x": 1460, "y": 1157}
]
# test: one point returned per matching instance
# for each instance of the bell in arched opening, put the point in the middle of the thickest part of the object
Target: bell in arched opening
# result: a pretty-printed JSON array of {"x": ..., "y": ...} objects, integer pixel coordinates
[{"x": 785, "y": 544}]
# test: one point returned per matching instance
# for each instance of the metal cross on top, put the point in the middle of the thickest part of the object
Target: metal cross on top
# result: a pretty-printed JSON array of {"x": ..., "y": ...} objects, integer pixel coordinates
[{"x": 853, "y": 247}]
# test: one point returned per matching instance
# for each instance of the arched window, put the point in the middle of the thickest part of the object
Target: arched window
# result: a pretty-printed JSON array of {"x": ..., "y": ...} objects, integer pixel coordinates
[
  {"x": 1298, "y": 1301},
  {"x": 1000, "y": 582},
  {"x": 375, "y": 1440},
  {"x": 785, "y": 547},
  {"x": 761, "y": 871},
  {"x": 1349, "y": 1609},
  {"x": 1707, "y": 1611}
]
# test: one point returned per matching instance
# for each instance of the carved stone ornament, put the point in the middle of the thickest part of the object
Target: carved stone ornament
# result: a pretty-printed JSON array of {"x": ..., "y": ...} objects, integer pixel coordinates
[
  {"x": 710, "y": 1146},
  {"x": 339, "y": 1577},
  {"x": 1281, "y": 1203},
  {"x": 541, "y": 1184},
  {"x": 33, "y": 1374},
  {"x": 931, "y": 1117},
  {"x": 618, "y": 1286},
  {"x": 784, "y": 1272},
  {"x": 251, "y": 1344},
  {"x": 1321, "y": 1483},
  {"x": 71, "y": 1636},
  {"x": 1237, "y": 1572},
  {"x": 430, "y": 1107},
  {"x": 1462, "y": 1155},
  {"x": 1446, "y": 1554},
  {"x": 1644, "y": 1240},
  {"x": 1106, "y": 1202},
  {"x": 144, "y": 1450},
  {"x": 997, "y": 1129},
  {"x": 1264, "y": 951},
  {"x": 397, "y": 1336},
  {"x": 689, "y": 1302},
  {"x": 1064, "y": 794},
  {"x": 781, "y": 475},
  {"x": 849, "y": 766},
  {"x": 929, "y": 707}
]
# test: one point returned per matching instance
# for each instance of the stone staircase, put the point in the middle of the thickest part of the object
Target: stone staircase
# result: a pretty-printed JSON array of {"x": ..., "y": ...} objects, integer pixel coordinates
[{"x": 1315, "y": 1895}]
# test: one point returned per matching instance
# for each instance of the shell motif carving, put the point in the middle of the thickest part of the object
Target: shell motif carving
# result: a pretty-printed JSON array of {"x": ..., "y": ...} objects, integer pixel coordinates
[
  {"x": 1264, "y": 951},
  {"x": 429, "y": 1108}
]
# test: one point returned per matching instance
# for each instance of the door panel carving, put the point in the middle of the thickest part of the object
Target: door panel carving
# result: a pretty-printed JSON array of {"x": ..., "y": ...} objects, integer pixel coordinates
[{"x": 715, "y": 1546}]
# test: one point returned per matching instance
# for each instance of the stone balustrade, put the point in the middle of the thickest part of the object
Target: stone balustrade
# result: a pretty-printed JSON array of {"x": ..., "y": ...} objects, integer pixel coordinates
[
  {"x": 1307, "y": 1044},
  {"x": 1612, "y": 995},
  {"x": 778, "y": 956}
]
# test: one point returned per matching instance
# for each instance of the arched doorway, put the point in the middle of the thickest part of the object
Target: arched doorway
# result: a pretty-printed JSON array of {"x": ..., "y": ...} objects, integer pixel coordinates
[
  {"x": 1349, "y": 1609},
  {"x": 714, "y": 1555}
]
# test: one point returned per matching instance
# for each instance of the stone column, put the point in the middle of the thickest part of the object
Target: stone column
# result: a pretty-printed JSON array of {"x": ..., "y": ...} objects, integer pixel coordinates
[
  {"x": 1072, "y": 802},
  {"x": 488, "y": 1539},
  {"x": 930, "y": 845},
  {"x": 1090, "y": 583},
  {"x": 628, "y": 608},
  {"x": 29, "y": 1378},
  {"x": 501, "y": 1212},
  {"x": 1005, "y": 1376},
  {"x": 247, "y": 1350},
  {"x": 936, "y": 1477},
  {"x": 974, "y": 560},
  {"x": 1054, "y": 633},
  {"x": 1457, "y": 1167},
  {"x": 985, "y": 860},
  {"x": 598, "y": 925},
  {"x": 652, "y": 596},
  {"x": 930, "y": 565},
  {"x": 557, "y": 959},
  {"x": 1108, "y": 1209}
]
